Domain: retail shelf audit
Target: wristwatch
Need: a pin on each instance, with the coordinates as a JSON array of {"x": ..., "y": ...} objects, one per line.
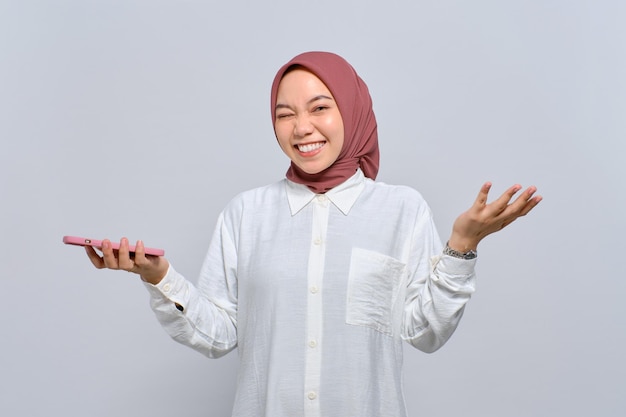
[{"x": 470, "y": 254}]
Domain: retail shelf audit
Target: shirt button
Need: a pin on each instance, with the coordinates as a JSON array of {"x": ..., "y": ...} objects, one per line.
[
  {"x": 312, "y": 343},
  {"x": 317, "y": 241},
  {"x": 321, "y": 198},
  {"x": 312, "y": 395},
  {"x": 167, "y": 288},
  {"x": 313, "y": 289}
]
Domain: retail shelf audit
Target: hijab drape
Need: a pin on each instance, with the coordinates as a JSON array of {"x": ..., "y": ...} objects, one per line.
[{"x": 360, "y": 147}]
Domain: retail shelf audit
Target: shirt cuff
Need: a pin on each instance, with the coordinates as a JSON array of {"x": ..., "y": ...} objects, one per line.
[
  {"x": 173, "y": 287},
  {"x": 455, "y": 266}
]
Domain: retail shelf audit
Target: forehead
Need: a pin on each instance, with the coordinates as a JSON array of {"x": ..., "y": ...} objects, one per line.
[{"x": 299, "y": 80}]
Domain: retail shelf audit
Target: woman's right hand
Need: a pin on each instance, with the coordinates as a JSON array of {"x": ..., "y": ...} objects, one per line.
[{"x": 150, "y": 268}]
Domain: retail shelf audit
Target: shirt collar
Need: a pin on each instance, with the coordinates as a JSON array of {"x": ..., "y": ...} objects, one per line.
[{"x": 342, "y": 196}]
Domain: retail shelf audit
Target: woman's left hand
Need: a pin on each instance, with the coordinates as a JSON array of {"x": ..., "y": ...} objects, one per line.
[{"x": 483, "y": 219}]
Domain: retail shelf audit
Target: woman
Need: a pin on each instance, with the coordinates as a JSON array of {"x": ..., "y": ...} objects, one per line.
[{"x": 318, "y": 278}]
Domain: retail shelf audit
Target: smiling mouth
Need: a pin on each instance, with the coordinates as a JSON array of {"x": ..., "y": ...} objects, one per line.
[{"x": 310, "y": 147}]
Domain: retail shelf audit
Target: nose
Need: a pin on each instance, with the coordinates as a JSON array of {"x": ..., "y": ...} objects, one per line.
[{"x": 302, "y": 126}]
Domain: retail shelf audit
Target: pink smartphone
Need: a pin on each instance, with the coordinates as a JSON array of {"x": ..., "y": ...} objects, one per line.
[{"x": 83, "y": 241}]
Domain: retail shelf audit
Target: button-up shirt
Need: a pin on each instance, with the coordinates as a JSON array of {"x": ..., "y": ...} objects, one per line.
[{"x": 317, "y": 292}]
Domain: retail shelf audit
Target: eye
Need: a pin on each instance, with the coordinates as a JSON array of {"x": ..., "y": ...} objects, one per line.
[
  {"x": 319, "y": 108},
  {"x": 282, "y": 116}
]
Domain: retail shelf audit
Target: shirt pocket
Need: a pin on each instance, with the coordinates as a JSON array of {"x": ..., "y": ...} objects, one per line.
[{"x": 373, "y": 290}]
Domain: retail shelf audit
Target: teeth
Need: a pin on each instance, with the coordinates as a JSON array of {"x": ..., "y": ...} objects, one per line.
[{"x": 310, "y": 147}]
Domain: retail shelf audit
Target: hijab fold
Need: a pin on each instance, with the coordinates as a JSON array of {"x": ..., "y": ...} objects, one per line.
[{"x": 360, "y": 147}]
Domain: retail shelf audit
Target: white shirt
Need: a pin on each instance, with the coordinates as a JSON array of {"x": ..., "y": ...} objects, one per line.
[{"x": 318, "y": 292}]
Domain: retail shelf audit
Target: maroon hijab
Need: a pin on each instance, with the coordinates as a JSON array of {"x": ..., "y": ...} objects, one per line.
[{"x": 360, "y": 147}]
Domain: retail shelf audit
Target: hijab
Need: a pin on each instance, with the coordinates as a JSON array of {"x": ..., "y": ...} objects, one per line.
[{"x": 360, "y": 147}]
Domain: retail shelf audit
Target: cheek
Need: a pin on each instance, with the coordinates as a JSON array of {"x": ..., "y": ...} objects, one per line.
[
  {"x": 336, "y": 129},
  {"x": 282, "y": 135},
  {"x": 334, "y": 126}
]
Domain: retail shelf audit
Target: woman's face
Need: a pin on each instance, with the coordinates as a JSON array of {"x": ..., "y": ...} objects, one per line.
[{"x": 308, "y": 124}]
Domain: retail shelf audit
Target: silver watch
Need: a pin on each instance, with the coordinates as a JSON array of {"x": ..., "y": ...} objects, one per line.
[{"x": 470, "y": 254}]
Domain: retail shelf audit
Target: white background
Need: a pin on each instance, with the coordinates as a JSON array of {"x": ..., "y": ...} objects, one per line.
[{"x": 143, "y": 118}]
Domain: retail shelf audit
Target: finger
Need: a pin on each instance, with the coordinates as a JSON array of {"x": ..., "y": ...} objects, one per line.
[
  {"x": 108, "y": 255},
  {"x": 95, "y": 259},
  {"x": 483, "y": 195},
  {"x": 125, "y": 261},
  {"x": 508, "y": 194},
  {"x": 530, "y": 204},
  {"x": 522, "y": 200},
  {"x": 140, "y": 254},
  {"x": 502, "y": 203}
]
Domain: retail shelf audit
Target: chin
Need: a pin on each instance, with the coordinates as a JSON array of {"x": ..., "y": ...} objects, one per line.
[{"x": 311, "y": 170}]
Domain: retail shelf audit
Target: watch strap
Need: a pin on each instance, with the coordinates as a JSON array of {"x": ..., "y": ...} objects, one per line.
[{"x": 470, "y": 254}]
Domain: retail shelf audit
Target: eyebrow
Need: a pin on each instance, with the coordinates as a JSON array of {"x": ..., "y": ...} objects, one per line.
[{"x": 314, "y": 99}]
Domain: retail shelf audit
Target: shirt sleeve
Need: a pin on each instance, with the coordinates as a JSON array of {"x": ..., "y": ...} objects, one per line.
[
  {"x": 439, "y": 287},
  {"x": 203, "y": 317}
]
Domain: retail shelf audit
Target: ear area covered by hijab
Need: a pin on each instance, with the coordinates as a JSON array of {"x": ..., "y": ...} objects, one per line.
[{"x": 360, "y": 148}]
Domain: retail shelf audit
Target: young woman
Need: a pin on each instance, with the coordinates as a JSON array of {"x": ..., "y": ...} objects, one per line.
[{"x": 318, "y": 278}]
